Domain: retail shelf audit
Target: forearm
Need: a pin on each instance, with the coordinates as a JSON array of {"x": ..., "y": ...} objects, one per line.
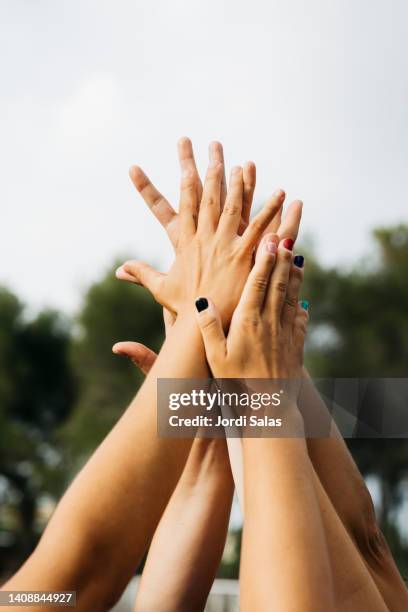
[
  {"x": 191, "y": 534},
  {"x": 285, "y": 561},
  {"x": 338, "y": 472},
  {"x": 113, "y": 506},
  {"x": 348, "y": 493}
]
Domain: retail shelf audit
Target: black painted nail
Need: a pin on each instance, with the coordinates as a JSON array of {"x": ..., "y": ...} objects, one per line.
[
  {"x": 299, "y": 261},
  {"x": 201, "y": 304}
]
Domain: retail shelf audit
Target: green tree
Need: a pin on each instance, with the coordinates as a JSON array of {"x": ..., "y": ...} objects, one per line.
[
  {"x": 36, "y": 394},
  {"x": 359, "y": 328},
  {"x": 112, "y": 310}
]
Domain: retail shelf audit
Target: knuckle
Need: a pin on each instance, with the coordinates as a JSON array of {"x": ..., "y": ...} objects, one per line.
[
  {"x": 297, "y": 274},
  {"x": 301, "y": 324},
  {"x": 157, "y": 201},
  {"x": 302, "y": 328},
  {"x": 291, "y": 301},
  {"x": 143, "y": 184},
  {"x": 257, "y": 225},
  {"x": 215, "y": 172},
  {"x": 189, "y": 179},
  {"x": 210, "y": 201},
  {"x": 231, "y": 209},
  {"x": 260, "y": 283},
  {"x": 250, "y": 320},
  {"x": 280, "y": 286},
  {"x": 208, "y": 323},
  {"x": 286, "y": 256}
]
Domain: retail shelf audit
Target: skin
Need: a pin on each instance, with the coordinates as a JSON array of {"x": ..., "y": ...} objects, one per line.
[
  {"x": 347, "y": 494},
  {"x": 113, "y": 507},
  {"x": 192, "y": 531},
  {"x": 284, "y": 561},
  {"x": 354, "y": 587},
  {"x": 333, "y": 464},
  {"x": 191, "y": 534}
]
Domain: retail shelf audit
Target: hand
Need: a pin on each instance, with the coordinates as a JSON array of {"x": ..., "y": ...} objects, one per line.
[
  {"x": 268, "y": 327},
  {"x": 141, "y": 356},
  {"x": 169, "y": 219},
  {"x": 163, "y": 210},
  {"x": 211, "y": 255}
]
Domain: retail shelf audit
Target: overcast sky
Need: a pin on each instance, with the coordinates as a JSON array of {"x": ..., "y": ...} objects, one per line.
[{"x": 315, "y": 92}]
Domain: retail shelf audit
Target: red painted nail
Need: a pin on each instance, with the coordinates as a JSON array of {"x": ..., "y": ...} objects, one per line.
[{"x": 288, "y": 243}]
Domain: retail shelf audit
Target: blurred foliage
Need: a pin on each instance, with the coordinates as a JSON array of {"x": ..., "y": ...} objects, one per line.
[
  {"x": 62, "y": 389},
  {"x": 359, "y": 322},
  {"x": 111, "y": 311},
  {"x": 37, "y": 391},
  {"x": 359, "y": 328}
]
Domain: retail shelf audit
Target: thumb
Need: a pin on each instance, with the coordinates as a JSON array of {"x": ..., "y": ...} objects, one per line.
[
  {"x": 141, "y": 356},
  {"x": 142, "y": 274},
  {"x": 209, "y": 322}
]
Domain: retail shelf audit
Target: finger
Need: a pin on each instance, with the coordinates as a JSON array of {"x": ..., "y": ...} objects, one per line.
[
  {"x": 231, "y": 215},
  {"x": 216, "y": 151},
  {"x": 300, "y": 324},
  {"x": 141, "y": 273},
  {"x": 256, "y": 286},
  {"x": 249, "y": 175},
  {"x": 275, "y": 223},
  {"x": 209, "y": 212},
  {"x": 189, "y": 189},
  {"x": 266, "y": 237},
  {"x": 218, "y": 155},
  {"x": 141, "y": 356},
  {"x": 160, "y": 207},
  {"x": 260, "y": 222},
  {"x": 125, "y": 276},
  {"x": 289, "y": 227},
  {"x": 278, "y": 286},
  {"x": 209, "y": 322},
  {"x": 292, "y": 294}
]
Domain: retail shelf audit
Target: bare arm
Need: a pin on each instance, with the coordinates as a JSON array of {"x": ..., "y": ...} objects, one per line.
[
  {"x": 351, "y": 499},
  {"x": 285, "y": 562},
  {"x": 191, "y": 534},
  {"x": 112, "y": 508},
  {"x": 101, "y": 528}
]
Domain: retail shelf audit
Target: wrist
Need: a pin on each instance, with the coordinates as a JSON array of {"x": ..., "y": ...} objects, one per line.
[{"x": 183, "y": 354}]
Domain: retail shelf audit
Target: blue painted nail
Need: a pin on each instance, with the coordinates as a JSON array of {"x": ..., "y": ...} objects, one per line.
[
  {"x": 201, "y": 304},
  {"x": 304, "y": 304},
  {"x": 299, "y": 261}
]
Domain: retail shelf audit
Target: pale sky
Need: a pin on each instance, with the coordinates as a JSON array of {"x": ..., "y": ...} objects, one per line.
[{"x": 315, "y": 92}]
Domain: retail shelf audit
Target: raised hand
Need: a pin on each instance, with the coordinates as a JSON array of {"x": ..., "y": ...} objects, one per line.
[
  {"x": 212, "y": 257},
  {"x": 191, "y": 196},
  {"x": 268, "y": 327}
]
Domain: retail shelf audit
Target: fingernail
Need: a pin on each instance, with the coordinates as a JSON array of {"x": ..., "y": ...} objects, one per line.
[
  {"x": 288, "y": 243},
  {"x": 201, "y": 304},
  {"x": 235, "y": 170},
  {"x": 271, "y": 246},
  {"x": 299, "y": 261},
  {"x": 119, "y": 271},
  {"x": 304, "y": 304},
  {"x": 279, "y": 193}
]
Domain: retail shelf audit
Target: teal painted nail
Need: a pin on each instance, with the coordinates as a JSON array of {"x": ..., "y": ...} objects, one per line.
[{"x": 304, "y": 304}]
